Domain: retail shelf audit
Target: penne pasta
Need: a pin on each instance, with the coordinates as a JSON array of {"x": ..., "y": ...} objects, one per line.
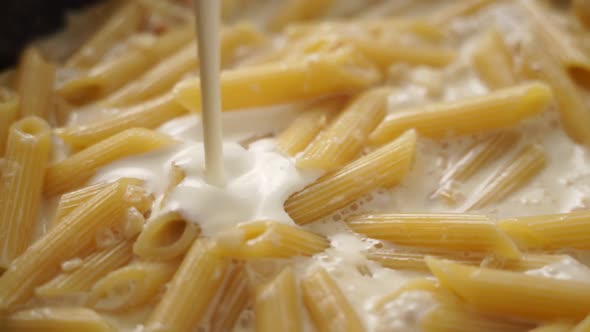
[
  {"x": 269, "y": 239},
  {"x": 125, "y": 21},
  {"x": 493, "y": 62},
  {"x": 328, "y": 307},
  {"x": 9, "y": 111},
  {"x": 77, "y": 231},
  {"x": 149, "y": 114},
  {"x": 21, "y": 185},
  {"x": 344, "y": 138},
  {"x": 554, "y": 327},
  {"x": 233, "y": 297},
  {"x": 573, "y": 111},
  {"x": 92, "y": 268},
  {"x": 450, "y": 232},
  {"x": 527, "y": 163},
  {"x": 164, "y": 75},
  {"x": 305, "y": 127},
  {"x": 74, "y": 171},
  {"x": 327, "y": 74},
  {"x": 166, "y": 9},
  {"x": 549, "y": 232},
  {"x": 130, "y": 286},
  {"x": 298, "y": 10},
  {"x": 105, "y": 78},
  {"x": 55, "y": 319},
  {"x": 191, "y": 290},
  {"x": 34, "y": 84},
  {"x": 499, "y": 109},
  {"x": 583, "y": 326},
  {"x": 70, "y": 201},
  {"x": 277, "y": 304},
  {"x": 165, "y": 237},
  {"x": 581, "y": 9},
  {"x": 458, "y": 8},
  {"x": 513, "y": 294},
  {"x": 383, "y": 167},
  {"x": 477, "y": 157},
  {"x": 417, "y": 284}
]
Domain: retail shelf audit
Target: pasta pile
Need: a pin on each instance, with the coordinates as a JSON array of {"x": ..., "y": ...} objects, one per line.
[{"x": 77, "y": 255}]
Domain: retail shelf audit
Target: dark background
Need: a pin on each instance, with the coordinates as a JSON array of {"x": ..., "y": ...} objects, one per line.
[{"x": 23, "y": 20}]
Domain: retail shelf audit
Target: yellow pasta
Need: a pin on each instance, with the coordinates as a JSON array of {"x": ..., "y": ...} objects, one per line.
[
  {"x": 55, "y": 319},
  {"x": 344, "y": 138},
  {"x": 492, "y": 61},
  {"x": 583, "y": 326},
  {"x": 498, "y": 109},
  {"x": 554, "y": 231},
  {"x": 327, "y": 74},
  {"x": 130, "y": 286},
  {"x": 112, "y": 74},
  {"x": 383, "y": 167},
  {"x": 514, "y": 294},
  {"x": 417, "y": 284},
  {"x": 163, "y": 76},
  {"x": 166, "y": 9},
  {"x": 166, "y": 236},
  {"x": 91, "y": 269},
  {"x": 458, "y": 8},
  {"x": 277, "y": 304},
  {"x": 21, "y": 185},
  {"x": 298, "y": 10},
  {"x": 451, "y": 232},
  {"x": 582, "y": 11},
  {"x": 233, "y": 297},
  {"x": 70, "y": 201},
  {"x": 149, "y": 114},
  {"x": 38, "y": 264},
  {"x": 35, "y": 84},
  {"x": 477, "y": 157},
  {"x": 328, "y": 307},
  {"x": 306, "y": 126},
  {"x": 191, "y": 290},
  {"x": 73, "y": 171},
  {"x": 527, "y": 163},
  {"x": 267, "y": 239},
  {"x": 9, "y": 111},
  {"x": 573, "y": 111},
  {"x": 554, "y": 327},
  {"x": 123, "y": 23}
]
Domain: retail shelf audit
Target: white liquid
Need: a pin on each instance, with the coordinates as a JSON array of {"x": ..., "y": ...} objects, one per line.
[{"x": 208, "y": 15}]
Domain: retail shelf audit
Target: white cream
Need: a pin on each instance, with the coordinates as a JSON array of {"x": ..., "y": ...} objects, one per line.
[{"x": 565, "y": 269}]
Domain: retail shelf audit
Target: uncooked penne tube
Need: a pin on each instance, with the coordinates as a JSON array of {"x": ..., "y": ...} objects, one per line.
[
  {"x": 233, "y": 297},
  {"x": 277, "y": 305},
  {"x": 21, "y": 178},
  {"x": 498, "y": 109},
  {"x": 459, "y": 318},
  {"x": 572, "y": 107},
  {"x": 189, "y": 294},
  {"x": 70, "y": 201},
  {"x": 527, "y": 163},
  {"x": 34, "y": 84},
  {"x": 122, "y": 24},
  {"x": 73, "y": 171},
  {"x": 9, "y": 112},
  {"x": 549, "y": 232},
  {"x": 306, "y": 126},
  {"x": 55, "y": 319},
  {"x": 477, "y": 157},
  {"x": 164, "y": 75},
  {"x": 328, "y": 307},
  {"x": 165, "y": 236},
  {"x": 513, "y": 294},
  {"x": 149, "y": 114},
  {"x": 341, "y": 72},
  {"x": 298, "y": 10},
  {"x": 269, "y": 239},
  {"x": 451, "y": 232},
  {"x": 38, "y": 264},
  {"x": 381, "y": 168},
  {"x": 91, "y": 269},
  {"x": 344, "y": 138},
  {"x": 130, "y": 286},
  {"x": 493, "y": 62},
  {"x": 105, "y": 78}
]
